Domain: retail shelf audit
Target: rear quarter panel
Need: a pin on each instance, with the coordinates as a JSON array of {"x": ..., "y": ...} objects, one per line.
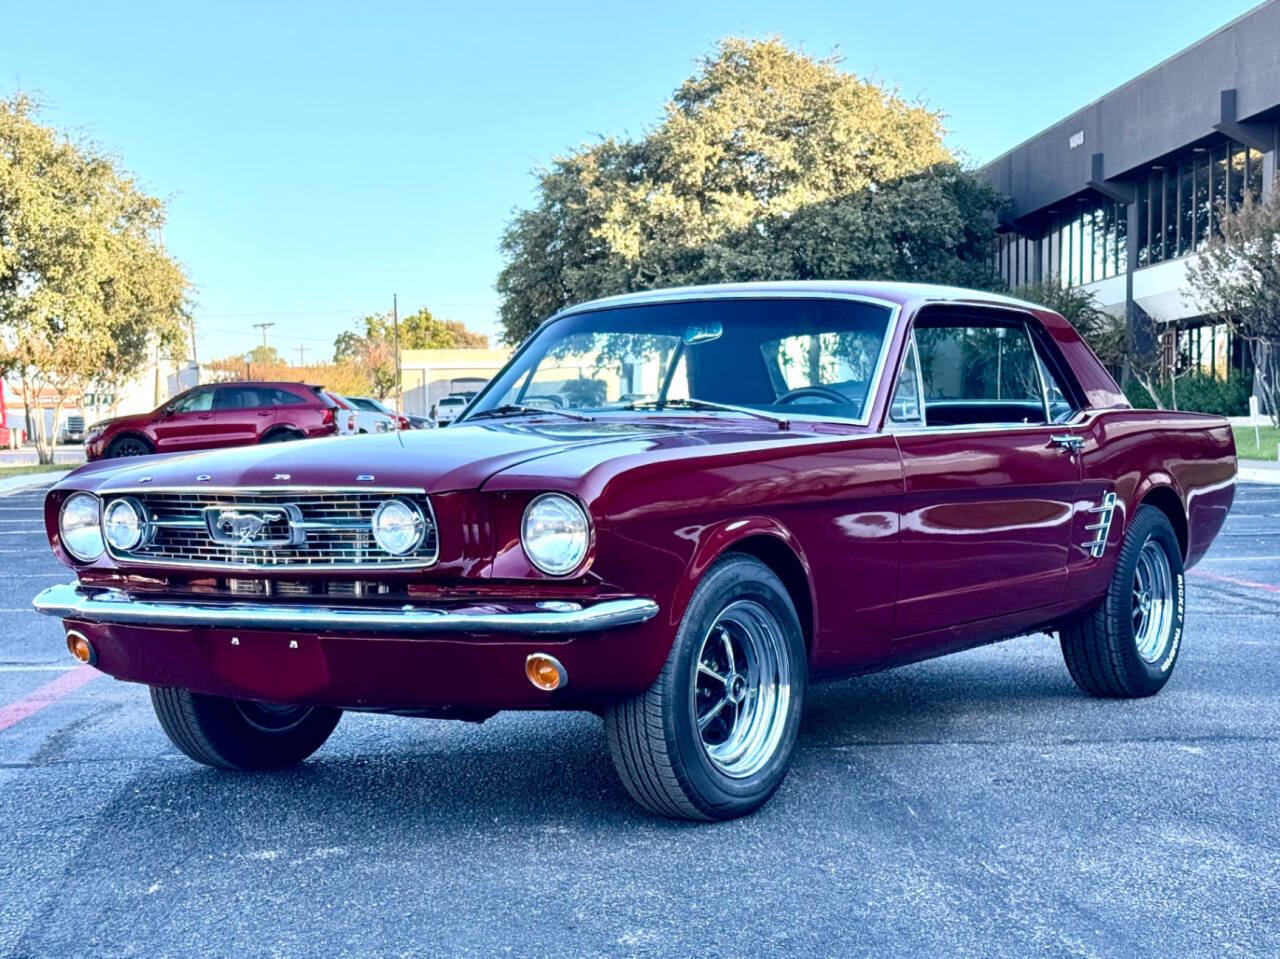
[{"x": 1149, "y": 453}]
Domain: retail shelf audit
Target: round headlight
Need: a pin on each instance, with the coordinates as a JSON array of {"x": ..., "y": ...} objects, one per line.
[
  {"x": 555, "y": 534},
  {"x": 124, "y": 524},
  {"x": 398, "y": 526},
  {"x": 80, "y": 525}
]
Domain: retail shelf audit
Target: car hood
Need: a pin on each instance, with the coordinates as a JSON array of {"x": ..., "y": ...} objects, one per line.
[
  {"x": 455, "y": 458},
  {"x": 132, "y": 419}
]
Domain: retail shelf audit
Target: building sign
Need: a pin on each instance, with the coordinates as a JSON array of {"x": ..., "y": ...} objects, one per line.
[{"x": 1076, "y": 139}]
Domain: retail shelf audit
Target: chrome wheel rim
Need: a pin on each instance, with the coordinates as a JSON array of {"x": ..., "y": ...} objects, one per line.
[
  {"x": 271, "y": 717},
  {"x": 742, "y": 689},
  {"x": 1153, "y": 601}
]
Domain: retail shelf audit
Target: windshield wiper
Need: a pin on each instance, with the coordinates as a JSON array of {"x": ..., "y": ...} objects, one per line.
[
  {"x": 689, "y": 404},
  {"x": 512, "y": 409}
]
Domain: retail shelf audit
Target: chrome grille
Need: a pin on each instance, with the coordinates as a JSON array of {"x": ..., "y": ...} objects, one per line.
[{"x": 337, "y": 529}]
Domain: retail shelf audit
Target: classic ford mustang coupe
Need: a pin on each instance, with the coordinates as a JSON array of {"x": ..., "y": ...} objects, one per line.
[{"x": 675, "y": 509}]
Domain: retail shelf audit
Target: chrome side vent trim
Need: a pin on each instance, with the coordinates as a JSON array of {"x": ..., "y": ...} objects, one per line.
[{"x": 1104, "y": 511}]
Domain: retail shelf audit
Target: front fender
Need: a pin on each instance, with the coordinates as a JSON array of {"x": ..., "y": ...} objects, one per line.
[{"x": 716, "y": 540}]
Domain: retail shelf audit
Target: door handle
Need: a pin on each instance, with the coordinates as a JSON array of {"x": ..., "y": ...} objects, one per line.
[{"x": 1068, "y": 441}]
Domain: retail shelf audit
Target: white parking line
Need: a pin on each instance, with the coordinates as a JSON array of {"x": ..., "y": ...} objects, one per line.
[{"x": 36, "y": 668}]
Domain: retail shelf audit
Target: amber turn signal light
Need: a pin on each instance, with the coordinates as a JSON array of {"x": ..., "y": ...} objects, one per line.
[
  {"x": 545, "y": 672},
  {"x": 81, "y": 648}
]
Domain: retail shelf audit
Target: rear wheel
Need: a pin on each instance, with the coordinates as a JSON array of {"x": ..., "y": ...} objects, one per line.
[
  {"x": 239, "y": 733},
  {"x": 281, "y": 436},
  {"x": 712, "y": 737},
  {"x": 128, "y": 446},
  {"x": 1128, "y": 646}
]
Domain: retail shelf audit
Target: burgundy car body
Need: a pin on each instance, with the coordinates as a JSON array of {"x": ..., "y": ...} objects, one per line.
[
  {"x": 218, "y": 415},
  {"x": 895, "y": 544}
]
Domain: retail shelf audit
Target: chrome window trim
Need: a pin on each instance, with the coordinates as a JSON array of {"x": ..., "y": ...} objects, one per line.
[
  {"x": 996, "y": 427},
  {"x": 912, "y": 352},
  {"x": 662, "y": 297}
]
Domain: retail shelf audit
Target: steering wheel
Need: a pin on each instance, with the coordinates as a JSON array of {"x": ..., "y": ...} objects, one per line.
[{"x": 827, "y": 393}]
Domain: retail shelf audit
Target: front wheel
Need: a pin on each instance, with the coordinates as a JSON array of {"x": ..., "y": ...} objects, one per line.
[
  {"x": 1128, "y": 646},
  {"x": 128, "y": 446},
  {"x": 712, "y": 737},
  {"x": 239, "y": 733}
]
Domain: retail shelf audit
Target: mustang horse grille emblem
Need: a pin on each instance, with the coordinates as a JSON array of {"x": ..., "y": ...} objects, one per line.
[{"x": 254, "y": 526}]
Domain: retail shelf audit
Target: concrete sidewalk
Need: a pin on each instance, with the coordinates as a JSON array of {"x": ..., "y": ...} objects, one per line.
[
  {"x": 14, "y": 484},
  {"x": 1259, "y": 471}
]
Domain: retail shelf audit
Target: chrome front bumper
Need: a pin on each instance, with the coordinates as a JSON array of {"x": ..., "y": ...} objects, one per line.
[{"x": 68, "y": 601}]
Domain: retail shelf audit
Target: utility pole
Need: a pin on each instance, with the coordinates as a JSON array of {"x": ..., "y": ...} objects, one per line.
[
  {"x": 195, "y": 360},
  {"x": 302, "y": 356},
  {"x": 395, "y": 345},
  {"x": 263, "y": 327}
]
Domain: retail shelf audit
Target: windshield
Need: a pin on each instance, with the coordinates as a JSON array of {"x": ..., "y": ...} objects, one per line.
[{"x": 791, "y": 357}]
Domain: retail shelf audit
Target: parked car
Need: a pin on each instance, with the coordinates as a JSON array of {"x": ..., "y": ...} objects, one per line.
[
  {"x": 348, "y": 416},
  {"x": 226, "y": 414},
  {"x": 448, "y": 408},
  {"x": 415, "y": 422},
  {"x": 834, "y": 478},
  {"x": 375, "y": 417},
  {"x": 71, "y": 430}
]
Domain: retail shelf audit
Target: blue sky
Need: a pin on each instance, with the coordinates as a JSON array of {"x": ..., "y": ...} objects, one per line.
[{"x": 320, "y": 157}]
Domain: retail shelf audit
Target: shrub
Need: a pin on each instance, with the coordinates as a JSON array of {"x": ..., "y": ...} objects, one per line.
[{"x": 1198, "y": 393}]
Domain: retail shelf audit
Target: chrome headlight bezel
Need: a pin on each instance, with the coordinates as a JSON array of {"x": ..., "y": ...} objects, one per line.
[
  {"x": 85, "y": 541},
  {"x": 570, "y": 560},
  {"x": 141, "y": 528},
  {"x": 416, "y": 520}
]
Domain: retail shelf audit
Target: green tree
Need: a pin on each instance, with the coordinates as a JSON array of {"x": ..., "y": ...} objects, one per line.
[
  {"x": 371, "y": 344},
  {"x": 265, "y": 355},
  {"x": 87, "y": 293},
  {"x": 1237, "y": 279},
  {"x": 1104, "y": 332},
  {"x": 767, "y": 163}
]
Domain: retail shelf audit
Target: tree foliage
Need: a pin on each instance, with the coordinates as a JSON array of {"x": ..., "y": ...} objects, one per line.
[
  {"x": 344, "y": 378},
  {"x": 1237, "y": 279},
  {"x": 87, "y": 292},
  {"x": 371, "y": 345},
  {"x": 767, "y": 164}
]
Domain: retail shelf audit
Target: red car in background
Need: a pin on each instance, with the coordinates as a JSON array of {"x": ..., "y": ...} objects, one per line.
[{"x": 223, "y": 414}]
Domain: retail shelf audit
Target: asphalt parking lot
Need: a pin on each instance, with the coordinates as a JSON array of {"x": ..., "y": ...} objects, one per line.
[{"x": 975, "y": 805}]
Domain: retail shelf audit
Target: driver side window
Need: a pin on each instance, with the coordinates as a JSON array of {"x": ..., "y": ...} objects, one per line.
[{"x": 977, "y": 372}]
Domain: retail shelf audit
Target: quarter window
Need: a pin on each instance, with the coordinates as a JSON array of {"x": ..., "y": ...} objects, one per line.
[
  {"x": 905, "y": 407},
  {"x": 286, "y": 398}
]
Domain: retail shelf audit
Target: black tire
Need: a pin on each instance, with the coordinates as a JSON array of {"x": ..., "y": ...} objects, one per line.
[
  {"x": 281, "y": 436},
  {"x": 660, "y": 753},
  {"x": 1102, "y": 647},
  {"x": 238, "y": 734},
  {"x": 128, "y": 445}
]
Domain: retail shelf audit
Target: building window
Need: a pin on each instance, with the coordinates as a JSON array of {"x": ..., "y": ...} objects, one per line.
[{"x": 1179, "y": 203}]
